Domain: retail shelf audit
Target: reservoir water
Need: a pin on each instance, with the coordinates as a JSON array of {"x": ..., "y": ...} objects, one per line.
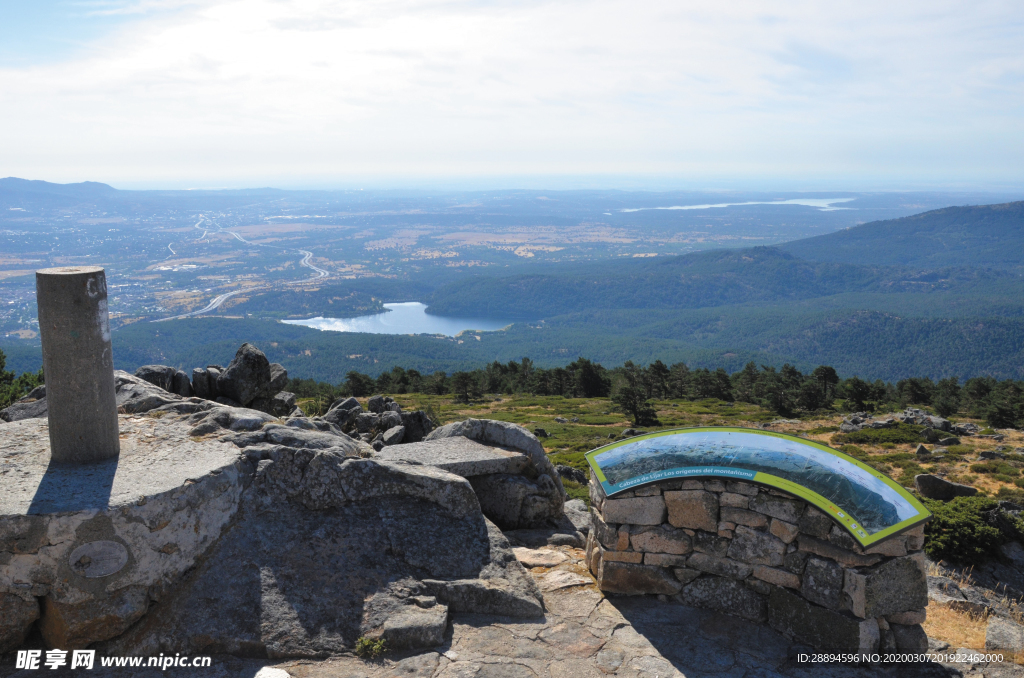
[{"x": 408, "y": 317}]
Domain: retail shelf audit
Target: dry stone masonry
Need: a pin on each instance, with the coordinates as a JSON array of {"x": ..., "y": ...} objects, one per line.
[{"x": 762, "y": 555}]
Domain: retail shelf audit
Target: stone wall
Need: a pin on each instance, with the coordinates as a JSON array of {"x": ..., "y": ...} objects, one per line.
[{"x": 763, "y": 555}]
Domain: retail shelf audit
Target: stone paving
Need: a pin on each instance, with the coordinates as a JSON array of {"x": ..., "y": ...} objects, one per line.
[{"x": 583, "y": 635}]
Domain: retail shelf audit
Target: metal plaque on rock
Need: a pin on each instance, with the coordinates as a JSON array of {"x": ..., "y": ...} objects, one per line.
[{"x": 98, "y": 559}]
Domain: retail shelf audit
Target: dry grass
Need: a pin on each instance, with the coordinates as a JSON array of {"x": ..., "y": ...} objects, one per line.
[{"x": 959, "y": 629}]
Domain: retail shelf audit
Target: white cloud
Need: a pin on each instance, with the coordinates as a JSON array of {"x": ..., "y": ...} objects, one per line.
[{"x": 278, "y": 91}]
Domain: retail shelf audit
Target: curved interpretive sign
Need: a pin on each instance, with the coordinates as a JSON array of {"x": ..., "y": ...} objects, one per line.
[{"x": 869, "y": 504}]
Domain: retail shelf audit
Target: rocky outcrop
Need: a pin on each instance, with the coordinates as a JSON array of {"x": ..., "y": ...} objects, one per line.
[
  {"x": 250, "y": 380},
  {"x": 327, "y": 549},
  {"x": 530, "y": 498},
  {"x": 305, "y": 543}
]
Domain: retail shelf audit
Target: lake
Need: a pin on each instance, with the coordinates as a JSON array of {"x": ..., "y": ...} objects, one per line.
[{"x": 409, "y": 317}]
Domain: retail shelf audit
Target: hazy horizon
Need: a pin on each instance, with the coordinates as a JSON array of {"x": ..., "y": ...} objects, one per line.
[{"x": 548, "y": 95}]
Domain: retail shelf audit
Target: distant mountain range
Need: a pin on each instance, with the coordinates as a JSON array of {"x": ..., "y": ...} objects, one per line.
[{"x": 981, "y": 235}]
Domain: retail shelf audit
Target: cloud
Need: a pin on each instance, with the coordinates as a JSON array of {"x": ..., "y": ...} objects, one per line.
[{"x": 267, "y": 90}]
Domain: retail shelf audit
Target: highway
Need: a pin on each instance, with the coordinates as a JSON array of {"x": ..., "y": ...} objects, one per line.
[{"x": 217, "y": 301}]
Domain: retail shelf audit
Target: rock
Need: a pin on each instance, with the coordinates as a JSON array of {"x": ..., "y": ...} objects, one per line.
[
  {"x": 660, "y": 539},
  {"x": 389, "y": 419},
  {"x": 25, "y": 409},
  {"x": 17, "y": 614},
  {"x": 910, "y": 638},
  {"x": 991, "y": 454},
  {"x": 921, "y": 449},
  {"x": 819, "y": 627},
  {"x": 160, "y": 376},
  {"x": 908, "y": 618},
  {"x": 461, "y": 456},
  {"x": 1003, "y": 635},
  {"x": 561, "y": 420},
  {"x": 823, "y": 583},
  {"x": 247, "y": 377},
  {"x": 539, "y": 557},
  {"x": 283, "y": 404},
  {"x": 759, "y": 548},
  {"x": 342, "y": 417},
  {"x": 946, "y": 442},
  {"x": 634, "y": 579},
  {"x": 327, "y": 549},
  {"x": 516, "y": 502},
  {"x": 377, "y": 444},
  {"x": 777, "y": 507},
  {"x": 833, "y": 552},
  {"x": 578, "y": 514},
  {"x": 345, "y": 404},
  {"x": 74, "y": 626},
  {"x": 202, "y": 385},
  {"x": 415, "y": 627},
  {"x": 815, "y": 523},
  {"x": 694, "y": 509},
  {"x": 393, "y": 407},
  {"x": 500, "y": 434},
  {"x": 181, "y": 385},
  {"x": 778, "y": 577},
  {"x": 570, "y": 473},
  {"x": 366, "y": 422},
  {"x": 394, "y": 435},
  {"x": 376, "y": 404},
  {"x": 632, "y": 432},
  {"x": 417, "y": 426},
  {"x": 723, "y": 567},
  {"x": 541, "y": 433},
  {"x": 278, "y": 379},
  {"x": 636, "y": 511},
  {"x": 725, "y": 595},
  {"x": 894, "y": 586},
  {"x": 228, "y": 402},
  {"x": 933, "y": 487}
]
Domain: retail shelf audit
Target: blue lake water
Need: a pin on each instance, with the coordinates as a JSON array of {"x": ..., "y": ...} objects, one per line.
[
  {"x": 823, "y": 204},
  {"x": 408, "y": 317}
]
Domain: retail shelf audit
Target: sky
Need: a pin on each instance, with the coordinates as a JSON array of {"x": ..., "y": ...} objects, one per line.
[{"x": 566, "y": 93}]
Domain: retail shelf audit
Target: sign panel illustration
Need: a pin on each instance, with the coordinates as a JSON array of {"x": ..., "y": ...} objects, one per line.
[{"x": 869, "y": 504}]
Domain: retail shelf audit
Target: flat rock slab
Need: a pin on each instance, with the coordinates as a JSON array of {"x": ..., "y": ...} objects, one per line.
[
  {"x": 539, "y": 557},
  {"x": 156, "y": 456},
  {"x": 461, "y": 456}
]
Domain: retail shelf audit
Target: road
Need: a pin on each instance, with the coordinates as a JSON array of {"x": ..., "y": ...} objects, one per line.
[
  {"x": 217, "y": 301},
  {"x": 321, "y": 273}
]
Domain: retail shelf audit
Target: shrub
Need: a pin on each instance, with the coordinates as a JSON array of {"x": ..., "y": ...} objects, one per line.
[
  {"x": 995, "y": 468},
  {"x": 821, "y": 429},
  {"x": 901, "y": 433},
  {"x": 959, "y": 533},
  {"x": 370, "y": 648}
]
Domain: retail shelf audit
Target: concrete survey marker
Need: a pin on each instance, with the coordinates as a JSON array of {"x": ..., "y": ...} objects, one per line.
[{"x": 99, "y": 559}]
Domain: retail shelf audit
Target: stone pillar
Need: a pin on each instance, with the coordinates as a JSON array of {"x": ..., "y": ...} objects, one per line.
[{"x": 78, "y": 363}]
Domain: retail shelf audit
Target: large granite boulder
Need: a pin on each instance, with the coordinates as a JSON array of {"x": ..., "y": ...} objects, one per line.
[
  {"x": 934, "y": 487},
  {"x": 161, "y": 376},
  {"x": 31, "y": 406},
  {"x": 247, "y": 377},
  {"x": 327, "y": 549}
]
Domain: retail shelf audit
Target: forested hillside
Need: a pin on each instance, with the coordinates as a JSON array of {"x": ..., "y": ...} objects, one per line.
[{"x": 979, "y": 235}]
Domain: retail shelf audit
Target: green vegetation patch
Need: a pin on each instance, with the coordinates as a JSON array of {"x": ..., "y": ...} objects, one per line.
[
  {"x": 900, "y": 433},
  {"x": 959, "y": 533},
  {"x": 371, "y": 648}
]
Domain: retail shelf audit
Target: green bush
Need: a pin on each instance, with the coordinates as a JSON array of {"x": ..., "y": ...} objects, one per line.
[
  {"x": 900, "y": 433},
  {"x": 996, "y": 468},
  {"x": 821, "y": 429},
  {"x": 958, "y": 532},
  {"x": 370, "y": 648}
]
